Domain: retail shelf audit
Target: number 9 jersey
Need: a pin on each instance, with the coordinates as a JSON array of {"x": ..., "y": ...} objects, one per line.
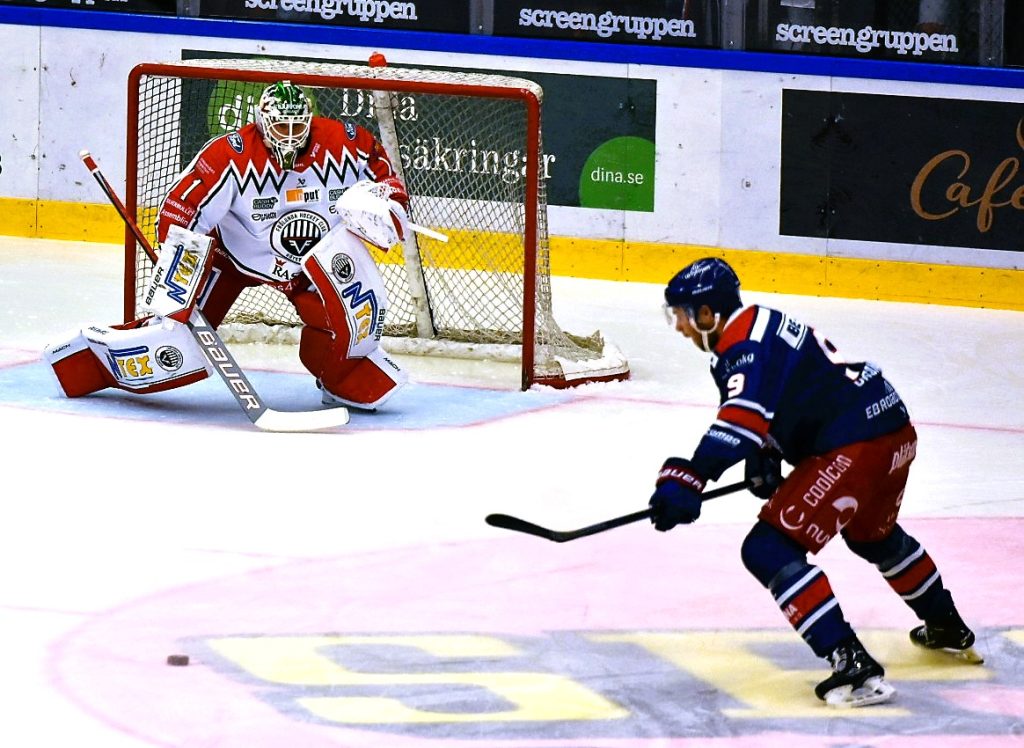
[{"x": 784, "y": 386}]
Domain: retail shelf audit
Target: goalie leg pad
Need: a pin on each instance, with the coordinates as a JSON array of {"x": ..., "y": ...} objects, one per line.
[
  {"x": 149, "y": 356},
  {"x": 365, "y": 383},
  {"x": 344, "y": 319},
  {"x": 351, "y": 292},
  {"x": 76, "y": 368}
]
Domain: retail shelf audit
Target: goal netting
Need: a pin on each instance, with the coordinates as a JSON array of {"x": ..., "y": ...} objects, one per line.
[{"x": 468, "y": 147}]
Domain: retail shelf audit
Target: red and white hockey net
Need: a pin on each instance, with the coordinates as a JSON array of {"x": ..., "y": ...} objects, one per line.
[{"x": 469, "y": 149}]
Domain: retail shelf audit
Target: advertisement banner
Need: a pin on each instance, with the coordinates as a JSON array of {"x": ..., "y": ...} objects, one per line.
[
  {"x": 902, "y": 169},
  {"x": 412, "y": 15},
  {"x": 653, "y": 22},
  {"x": 909, "y": 32},
  {"x": 598, "y": 135},
  {"x": 153, "y": 7}
]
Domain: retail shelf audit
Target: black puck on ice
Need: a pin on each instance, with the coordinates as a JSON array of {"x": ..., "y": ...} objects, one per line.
[{"x": 177, "y": 660}]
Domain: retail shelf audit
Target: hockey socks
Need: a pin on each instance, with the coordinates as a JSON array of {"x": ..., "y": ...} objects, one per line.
[
  {"x": 910, "y": 571},
  {"x": 804, "y": 595}
]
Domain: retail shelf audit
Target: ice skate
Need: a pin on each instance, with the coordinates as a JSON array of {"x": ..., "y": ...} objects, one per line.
[
  {"x": 856, "y": 680},
  {"x": 333, "y": 401},
  {"x": 950, "y": 635}
]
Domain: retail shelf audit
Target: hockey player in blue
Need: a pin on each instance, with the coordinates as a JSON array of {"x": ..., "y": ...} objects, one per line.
[{"x": 786, "y": 395}]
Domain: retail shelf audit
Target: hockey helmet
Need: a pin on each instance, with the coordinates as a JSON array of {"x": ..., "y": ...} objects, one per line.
[
  {"x": 283, "y": 117},
  {"x": 709, "y": 281}
]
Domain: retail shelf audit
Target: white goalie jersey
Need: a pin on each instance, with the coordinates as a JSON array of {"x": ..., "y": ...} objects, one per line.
[{"x": 267, "y": 220}]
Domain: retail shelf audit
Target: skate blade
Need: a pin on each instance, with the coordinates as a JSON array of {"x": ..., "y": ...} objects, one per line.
[
  {"x": 874, "y": 691},
  {"x": 969, "y": 655}
]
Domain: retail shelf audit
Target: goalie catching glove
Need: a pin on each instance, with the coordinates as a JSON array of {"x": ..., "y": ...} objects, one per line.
[
  {"x": 398, "y": 193},
  {"x": 676, "y": 499},
  {"x": 375, "y": 211}
]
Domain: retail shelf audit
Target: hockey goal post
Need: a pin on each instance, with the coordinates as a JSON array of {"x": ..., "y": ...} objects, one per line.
[{"x": 467, "y": 145}]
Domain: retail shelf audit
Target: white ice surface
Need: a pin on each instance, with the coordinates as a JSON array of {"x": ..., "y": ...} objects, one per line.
[{"x": 99, "y": 511}]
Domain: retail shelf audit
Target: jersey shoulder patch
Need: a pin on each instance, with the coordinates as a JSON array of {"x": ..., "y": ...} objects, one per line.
[{"x": 748, "y": 324}]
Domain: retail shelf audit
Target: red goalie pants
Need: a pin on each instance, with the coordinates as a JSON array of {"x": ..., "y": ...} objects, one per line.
[{"x": 855, "y": 490}]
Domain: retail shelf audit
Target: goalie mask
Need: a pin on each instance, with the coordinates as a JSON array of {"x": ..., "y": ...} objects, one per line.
[{"x": 283, "y": 118}]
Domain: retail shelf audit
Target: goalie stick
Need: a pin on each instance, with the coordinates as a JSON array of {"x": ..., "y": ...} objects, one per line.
[
  {"x": 508, "y": 522},
  {"x": 261, "y": 415}
]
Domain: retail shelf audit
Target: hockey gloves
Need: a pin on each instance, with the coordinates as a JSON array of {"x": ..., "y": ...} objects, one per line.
[
  {"x": 676, "y": 499},
  {"x": 764, "y": 472},
  {"x": 398, "y": 194}
]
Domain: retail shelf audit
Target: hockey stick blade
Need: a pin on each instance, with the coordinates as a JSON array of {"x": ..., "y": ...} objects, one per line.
[
  {"x": 218, "y": 355},
  {"x": 508, "y": 522},
  {"x": 304, "y": 420}
]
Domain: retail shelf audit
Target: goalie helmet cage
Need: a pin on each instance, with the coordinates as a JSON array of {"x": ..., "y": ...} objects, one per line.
[{"x": 467, "y": 146}]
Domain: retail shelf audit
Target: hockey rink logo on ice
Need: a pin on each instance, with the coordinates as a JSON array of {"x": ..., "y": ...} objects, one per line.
[{"x": 590, "y": 684}]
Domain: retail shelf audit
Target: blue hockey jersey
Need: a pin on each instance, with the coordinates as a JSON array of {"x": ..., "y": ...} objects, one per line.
[{"x": 784, "y": 386}]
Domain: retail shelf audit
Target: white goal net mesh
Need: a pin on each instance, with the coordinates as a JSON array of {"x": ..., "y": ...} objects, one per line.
[{"x": 461, "y": 142}]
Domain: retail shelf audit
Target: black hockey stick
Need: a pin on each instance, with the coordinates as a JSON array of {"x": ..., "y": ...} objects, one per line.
[
  {"x": 508, "y": 522},
  {"x": 220, "y": 357}
]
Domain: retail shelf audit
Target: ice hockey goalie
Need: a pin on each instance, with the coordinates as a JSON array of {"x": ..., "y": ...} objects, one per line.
[{"x": 264, "y": 206}]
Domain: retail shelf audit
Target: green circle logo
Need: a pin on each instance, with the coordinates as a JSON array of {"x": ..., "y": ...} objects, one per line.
[{"x": 619, "y": 174}]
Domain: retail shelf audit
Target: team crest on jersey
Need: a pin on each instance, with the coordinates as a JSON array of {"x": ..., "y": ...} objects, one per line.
[
  {"x": 343, "y": 268},
  {"x": 235, "y": 141},
  {"x": 296, "y": 233},
  {"x": 350, "y": 130},
  {"x": 169, "y": 358}
]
